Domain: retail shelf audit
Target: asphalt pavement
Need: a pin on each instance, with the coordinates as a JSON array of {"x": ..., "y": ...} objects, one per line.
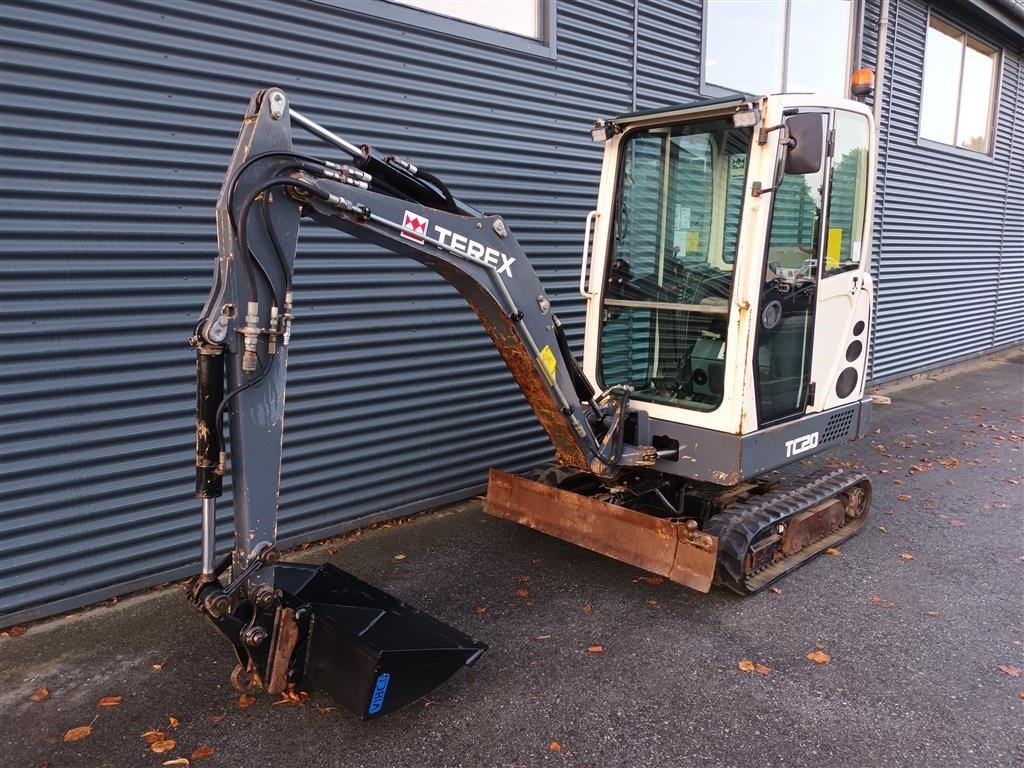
[{"x": 921, "y": 617}]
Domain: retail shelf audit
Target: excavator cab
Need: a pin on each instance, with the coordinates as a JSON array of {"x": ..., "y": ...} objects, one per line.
[
  {"x": 729, "y": 264},
  {"x": 728, "y": 302}
]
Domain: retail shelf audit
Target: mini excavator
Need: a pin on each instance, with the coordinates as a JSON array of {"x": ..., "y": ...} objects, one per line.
[{"x": 726, "y": 276}]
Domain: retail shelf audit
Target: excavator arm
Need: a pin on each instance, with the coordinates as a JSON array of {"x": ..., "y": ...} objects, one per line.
[{"x": 278, "y": 615}]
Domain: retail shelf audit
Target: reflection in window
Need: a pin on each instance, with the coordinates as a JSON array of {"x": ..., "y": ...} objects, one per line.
[
  {"x": 666, "y": 307},
  {"x": 847, "y": 194},
  {"x": 786, "y": 307},
  {"x": 520, "y": 17},
  {"x": 959, "y": 85},
  {"x": 776, "y": 46}
]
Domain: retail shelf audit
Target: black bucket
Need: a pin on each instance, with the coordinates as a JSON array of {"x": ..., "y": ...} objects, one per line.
[{"x": 373, "y": 653}]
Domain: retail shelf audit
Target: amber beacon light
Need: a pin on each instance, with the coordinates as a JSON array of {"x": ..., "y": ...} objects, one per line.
[{"x": 863, "y": 82}]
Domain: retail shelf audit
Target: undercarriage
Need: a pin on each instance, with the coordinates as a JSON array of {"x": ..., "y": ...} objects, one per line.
[{"x": 742, "y": 537}]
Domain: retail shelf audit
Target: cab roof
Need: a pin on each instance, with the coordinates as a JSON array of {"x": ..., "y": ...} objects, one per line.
[{"x": 733, "y": 99}]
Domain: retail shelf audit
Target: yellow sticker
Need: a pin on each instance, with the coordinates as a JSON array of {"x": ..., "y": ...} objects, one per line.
[
  {"x": 692, "y": 241},
  {"x": 548, "y": 361},
  {"x": 835, "y": 247}
]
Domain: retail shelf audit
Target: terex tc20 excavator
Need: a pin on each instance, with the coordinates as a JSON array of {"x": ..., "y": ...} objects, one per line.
[{"x": 725, "y": 271}]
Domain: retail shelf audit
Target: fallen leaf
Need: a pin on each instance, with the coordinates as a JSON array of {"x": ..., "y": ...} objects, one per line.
[
  {"x": 110, "y": 701},
  {"x": 554, "y": 746},
  {"x": 325, "y": 710},
  {"x": 746, "y": 665},
  {"x": 951, "y": 463},
  {"x": 819, "y": 657},
  {"x": 588, "y": 608},
  {"x": 904, "y": 497},
  {"x": 522, "y": 593},
  {"x": 906, "y": 556},
  {"x": 878, "y": 600},
  {"x": 1011, "y": 671},
  {"x": 806, "y": 462},
  {"x": 651, "y": 601},
  {"x": 523, "y": 579},
  {"x": 175, "y": 722},
  {"x": 399, "y": 556},
  {"x": 16, "y": 631},
  {"x": 159, "y": 666},
  {"x": 245, "y": 701},
  {"x": 216, "y": 718},
  {"x": 832, "y": 551},
  {"x": 542, "y": 637},
  {"x": 957, "y": 522},
  {"x": 152, "y": 737},
  {"x": 78, "y": 733},
  {"x": 652, "y": 580},
  {"x": 159, "y": 747},
  {"x": 776, "y": 590},
  {"x": 595, "y": 649},
  {"x": 480, "y": 609},
  {"x": 291, "y": 696},
  {"x": 764, "y": 669},
  {"x": 176, "y": 761},
  {"x": 882, "y": 529},
  {"x": 40, "y": 694},
  {"x": 933, "y": 614},
  {"x": 203, "y": 752}
]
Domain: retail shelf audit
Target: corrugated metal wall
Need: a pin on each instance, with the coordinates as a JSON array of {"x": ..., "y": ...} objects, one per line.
[
  {"x": 118, "y": 120},
  {"x": 949, "y": 226}
]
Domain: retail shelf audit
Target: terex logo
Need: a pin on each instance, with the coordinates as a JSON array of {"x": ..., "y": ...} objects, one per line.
[
  {"x": 800, "y": 445},
  {"x": 412, "y": 225},
  {"x": 473, "y": 249},
  {"x": 381, "y": 688}
]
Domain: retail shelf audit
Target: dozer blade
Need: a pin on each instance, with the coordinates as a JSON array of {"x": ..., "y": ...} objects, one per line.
[
  {"x": 370, "y": 651},
  {"x": 652, "y": 543}
]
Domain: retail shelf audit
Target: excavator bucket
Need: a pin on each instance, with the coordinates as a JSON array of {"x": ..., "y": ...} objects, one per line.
[
  {"x": 661, "y": 546},
  {"x": 370, "y": 651}
]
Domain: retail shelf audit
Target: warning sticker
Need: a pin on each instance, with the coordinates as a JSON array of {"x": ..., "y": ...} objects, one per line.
[
  {"x": 548, "y": 362},
  {"x": 835, "y": 247}
]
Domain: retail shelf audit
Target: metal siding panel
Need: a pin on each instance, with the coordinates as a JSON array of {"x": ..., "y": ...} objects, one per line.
[
  {"x": 118, "y": 119},
  {"x": 947, "y": 244},
  {"x": 668, "y": 52}
]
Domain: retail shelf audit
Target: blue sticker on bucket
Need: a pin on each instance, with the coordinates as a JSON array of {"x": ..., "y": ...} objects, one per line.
[{"x": 379, "y": 690}]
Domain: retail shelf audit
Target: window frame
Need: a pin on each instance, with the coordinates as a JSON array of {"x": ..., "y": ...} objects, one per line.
[
  {"x": 853, "y": 40},
  {"x": 995, "y": 92},
  {"x": 602, "y": 296},
  {"x": 544, "y": 47}
]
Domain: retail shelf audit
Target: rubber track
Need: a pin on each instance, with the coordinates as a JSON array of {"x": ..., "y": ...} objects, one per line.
[{"x": 738, "y": 526}]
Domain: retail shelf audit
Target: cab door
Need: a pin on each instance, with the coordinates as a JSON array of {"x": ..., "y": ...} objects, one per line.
[
  {"x": 844, "y": 283},
  {"x": 785, "y": 332}
]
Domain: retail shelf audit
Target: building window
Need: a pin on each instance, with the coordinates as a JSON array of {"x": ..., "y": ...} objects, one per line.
[
  {"x": 958, "y": 90},
  {"x": 520, "y": 17},
  {"x": 778, "y": 46}
]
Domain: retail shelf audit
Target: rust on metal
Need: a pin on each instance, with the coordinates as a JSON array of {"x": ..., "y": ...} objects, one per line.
[
  {"x": 534, "y": 387},
  {"x": 817, "y": 522},
  {"x": 664, "y": 547},
  {"x": 286, "y": 636}
]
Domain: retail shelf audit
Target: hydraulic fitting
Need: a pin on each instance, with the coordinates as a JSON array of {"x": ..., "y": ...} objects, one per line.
[
  {"x": 272, "y": 331},
  {"x": 252, "y": 333}
]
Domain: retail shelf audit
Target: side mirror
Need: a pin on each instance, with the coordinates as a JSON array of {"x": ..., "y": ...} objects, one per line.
[{"x": 805, "y": 132}]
